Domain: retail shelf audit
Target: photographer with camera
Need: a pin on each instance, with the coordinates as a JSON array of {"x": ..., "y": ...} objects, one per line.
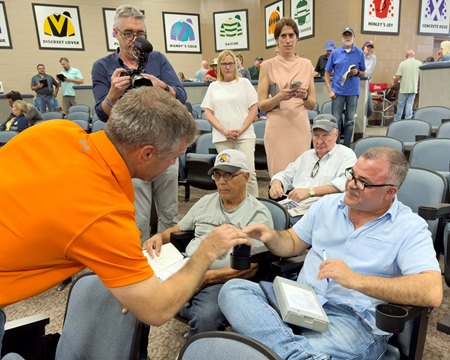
[
  {"x": 112, "y": 76},
  {"x": 231, "y": 204}
]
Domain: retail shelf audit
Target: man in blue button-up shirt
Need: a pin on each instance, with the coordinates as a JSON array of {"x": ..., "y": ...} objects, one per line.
[
  {"x": 378, "y": 251},
  {"x": 108, "y": 88}
]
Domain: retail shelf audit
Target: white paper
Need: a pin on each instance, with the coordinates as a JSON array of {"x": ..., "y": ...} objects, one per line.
[
  {"x": 298, "y": 208},
  {"x": 169, "y": 261}
]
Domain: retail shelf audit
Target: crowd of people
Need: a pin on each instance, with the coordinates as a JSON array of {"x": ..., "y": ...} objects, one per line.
[{"x": 133, "y": 163}]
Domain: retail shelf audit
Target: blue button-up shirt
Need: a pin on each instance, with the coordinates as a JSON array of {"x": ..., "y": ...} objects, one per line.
[
  {"x": 340, "y": 61},
  {"x": 156, "y": 65},
  {"x": 395, "y": 244}
]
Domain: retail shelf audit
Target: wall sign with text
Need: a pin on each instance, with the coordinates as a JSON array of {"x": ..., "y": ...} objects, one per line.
[
  {"x": 381, "y": 17},
  {"x": 272, "y": 14},
  {"x": 5, "y": 39},
  {"x": 231, "y": 30},
  {"x": 434, "y": 18},
  {"x": 302, "y": 11},
  {"x": 58, "y": 27},
  {"x": 182, "y": 33}
]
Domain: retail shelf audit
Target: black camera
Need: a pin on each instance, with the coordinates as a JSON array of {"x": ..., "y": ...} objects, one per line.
[
  {"x": 240, "y": 258},
  {"x": 137, "y": 80},
  {"x": 142, "y": 47}
]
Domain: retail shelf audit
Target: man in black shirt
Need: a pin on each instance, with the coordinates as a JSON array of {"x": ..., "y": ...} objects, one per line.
[{"x": 319, "y": 71}]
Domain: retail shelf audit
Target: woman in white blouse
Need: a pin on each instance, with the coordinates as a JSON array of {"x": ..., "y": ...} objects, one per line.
[{"x": 231, "y": 106}]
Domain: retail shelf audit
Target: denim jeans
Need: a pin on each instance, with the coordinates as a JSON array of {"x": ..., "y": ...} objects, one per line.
[
  {"x": 246, "y": 308},
  {"x": 337, "y": 108},
  {"x": 203, "y": 311},
  {"x": 405, "y": 102},
  {"x": 45, "y": 101}
]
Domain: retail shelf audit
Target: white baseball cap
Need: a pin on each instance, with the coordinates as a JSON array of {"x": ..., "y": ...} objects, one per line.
[{"x": 230, "y": 161}]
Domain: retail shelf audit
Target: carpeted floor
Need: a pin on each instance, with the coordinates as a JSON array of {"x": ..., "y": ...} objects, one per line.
[{"x": 166, "y": 340}]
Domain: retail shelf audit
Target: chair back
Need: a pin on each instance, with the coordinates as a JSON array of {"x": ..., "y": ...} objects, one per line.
[
  {"x": 376, "y": 141},
  {"x": 204, "y": 144},
  {"x": 97, "y": 126},
  {"x": 431, "y": 154},
  {"x": 80, "y": 108},
  {"x": 326, "y": 108},
  {"x": 312, "y": 115},
  {"x": 406, "y": 130},
  {"x": 224, "y": 345},
  {"x": 423, "y": 187},
  {"x": 443, "y": 132},
  {"x": 52, "y": 115},
  {"x": 95, "y": 327},
  {"x": 433, "y": 115},
  {"x": 5, "y": 136},
  {"x": 82, "y": 124},
  {"x": 203, "y": 126},
  {"x": 260, "y": 128},
  {"x": 95, "y": 117},
  {"x": 197, "y": 111},
  {"x": 280, "y": 216},
  {"x": 78, "y": 115}
]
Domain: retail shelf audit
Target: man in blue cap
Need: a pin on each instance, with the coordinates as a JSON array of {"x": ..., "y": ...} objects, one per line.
[{"x": 319, "y": 71}]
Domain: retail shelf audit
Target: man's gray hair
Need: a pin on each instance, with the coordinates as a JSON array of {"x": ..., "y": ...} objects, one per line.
[
  {"x": 127, "y": 11},
  {"x": 397, "y": 161},
  {"x": 149, "y": 116}
]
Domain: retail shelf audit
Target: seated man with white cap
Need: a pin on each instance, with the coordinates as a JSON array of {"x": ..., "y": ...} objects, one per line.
[
  {"x": 231, "y": 204},
  {"x": 318, "y": 171}
]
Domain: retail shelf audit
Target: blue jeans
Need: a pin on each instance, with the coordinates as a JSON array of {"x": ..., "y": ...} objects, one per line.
[
  {"x": 203, "y": 311},
  {"x": 405, "y": 102},
  {"x": 45, "y": 101},
  {"x": 348, "y": 337},
  {"x": 337, "y": 108}
]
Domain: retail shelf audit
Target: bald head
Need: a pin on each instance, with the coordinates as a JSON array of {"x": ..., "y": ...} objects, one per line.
[
  {"x": 204, "y": 64},
  {"x": 410, "y": 54}
]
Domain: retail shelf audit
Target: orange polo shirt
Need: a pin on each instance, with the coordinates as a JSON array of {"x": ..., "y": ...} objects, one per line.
[{"x": 66, "y": 202}]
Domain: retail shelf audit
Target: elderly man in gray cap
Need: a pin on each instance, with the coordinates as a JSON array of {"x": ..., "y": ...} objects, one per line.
[
  {"x": 318, "y": 171},
  {"x": 231, "y": 204}
]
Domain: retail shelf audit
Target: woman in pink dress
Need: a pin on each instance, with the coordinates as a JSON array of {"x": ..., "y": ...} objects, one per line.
[{"x": 286, "y": 91}]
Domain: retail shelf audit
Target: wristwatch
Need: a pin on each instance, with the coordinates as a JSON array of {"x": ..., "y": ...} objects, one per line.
[
  {"x": 312, "y": 193},
  {"x": 167, "y": 88}
]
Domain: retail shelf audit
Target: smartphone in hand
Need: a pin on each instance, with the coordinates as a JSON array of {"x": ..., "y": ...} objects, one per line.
[{"x": 296, "y": 84}]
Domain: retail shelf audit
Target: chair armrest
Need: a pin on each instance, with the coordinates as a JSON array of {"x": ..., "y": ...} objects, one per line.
[
  {"x": 287, "y": 266},
  {"x": 434, "y": 211},
  {"x": 38, "y": 321},
  {"x": 181, "y": 239},
  {"x": 393, "y": 317}
]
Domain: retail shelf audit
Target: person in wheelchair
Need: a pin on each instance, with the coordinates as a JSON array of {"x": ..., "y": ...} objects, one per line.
[
  {"x": 378, "y": 251},
  {"x": 231, "y": 204},
  {"x": 318, "y": 171}
]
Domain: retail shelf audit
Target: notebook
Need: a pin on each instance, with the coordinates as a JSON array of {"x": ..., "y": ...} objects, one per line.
[{"x": 296, "y": 303}]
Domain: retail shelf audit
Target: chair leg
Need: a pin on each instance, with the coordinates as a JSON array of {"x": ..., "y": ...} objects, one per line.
[
  {"x": 64, "y": 284},
  {"x": 444, "y": 325}
]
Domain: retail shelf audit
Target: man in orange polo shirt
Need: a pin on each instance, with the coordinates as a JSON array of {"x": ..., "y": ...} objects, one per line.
[{"x": 67, "y": 203}]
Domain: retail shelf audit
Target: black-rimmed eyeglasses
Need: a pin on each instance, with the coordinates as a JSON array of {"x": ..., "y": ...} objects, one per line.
[
  {"x": 216, "y": 175},
  {"x": 361, "y": 185},
  {"x": 129, "y": 35}
]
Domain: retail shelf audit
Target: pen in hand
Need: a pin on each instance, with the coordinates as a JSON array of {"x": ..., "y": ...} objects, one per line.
[{"x": 324, "y": 256}]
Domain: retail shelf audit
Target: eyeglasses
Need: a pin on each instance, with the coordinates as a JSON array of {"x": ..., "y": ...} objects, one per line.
[
  {"x": 229, "y": 64},
  {"x": 129, "y": 35},
  {"x": 315, "y": 169},
  {"x": 361, "y": 185},
  {"x": 216, "y": 175}
]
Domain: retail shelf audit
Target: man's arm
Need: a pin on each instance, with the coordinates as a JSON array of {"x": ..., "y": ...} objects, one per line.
[
  {"x": 156, "y": 302},
  {"x": 153, "y": 245},
  {"x": 283, "y": 243},
  {"x": 423, "y": 289},
  {"x": 327, "y": 79}
]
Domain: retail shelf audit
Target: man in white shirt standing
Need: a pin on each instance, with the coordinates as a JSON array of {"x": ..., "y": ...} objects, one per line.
[{"x": 318, "y": 171}]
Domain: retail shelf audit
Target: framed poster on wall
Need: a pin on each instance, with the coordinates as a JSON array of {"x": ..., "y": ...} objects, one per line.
[
  {"x": 272, "y": 14},
  {"x": 302, "y": 11},
  {"x": 231, "y": 30},
  {"x": 434, "y": 18},
  {"x": 58, "y": 27},
  {"x": 182, "y": 33},
  {"x": 108, "y": 19},
  {"x": 381, "y": 17},
  {"x": 5, "y": 39}
]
